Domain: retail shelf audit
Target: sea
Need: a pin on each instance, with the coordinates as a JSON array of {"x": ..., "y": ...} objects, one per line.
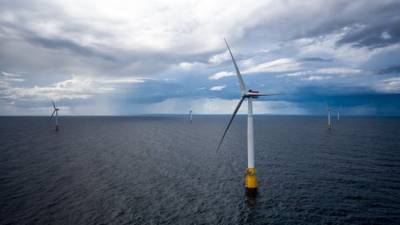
[{"x": 165, "y": 170}]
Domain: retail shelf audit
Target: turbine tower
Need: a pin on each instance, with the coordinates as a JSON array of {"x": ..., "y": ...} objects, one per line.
[
  {"x": 55, "y": 115},
  {"x": 250, "y": 179},
  {"x": 329, "y": 118},
  {"x": 190, "y": 116}
]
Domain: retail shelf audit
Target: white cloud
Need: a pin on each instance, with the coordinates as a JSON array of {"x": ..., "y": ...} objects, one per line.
[
  {"x": 353, "y": 59},
  {"x": 221, "y": 74},
  {"x": 315, "y": 74},
  {"x": 123, "y": 80},
  {"x": 249, "y": 67},
  {"x": 385, "y": 35},
  {"x": 164, "y": 25},
  {"x": 10, "y": 77},
  {"x": 186, "y": 65},
  {"x": 74, "y": 88},
  {"x": 327, "y": 46},
  {"x": 339, "y": 71},
  {"x": 391, "y": 85},
  {"x": 275, "y": 66},
  {"x": 219, "y": 58},
  {"x": 317, "y": 78},
  {"x": 218, "y": 88},
  {"x": 77, "y": 87},
  {"x": 297, "y": 74}
]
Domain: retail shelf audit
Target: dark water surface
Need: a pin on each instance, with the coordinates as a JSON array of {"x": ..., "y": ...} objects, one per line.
[{"x": 164, "y": 170}]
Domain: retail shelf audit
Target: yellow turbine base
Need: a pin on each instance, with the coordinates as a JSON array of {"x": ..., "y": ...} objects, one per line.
[{"x": 251, "y": 179}]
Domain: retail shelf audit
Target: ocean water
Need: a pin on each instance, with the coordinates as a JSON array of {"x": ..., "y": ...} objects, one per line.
[{"x": 164, "y": 170}]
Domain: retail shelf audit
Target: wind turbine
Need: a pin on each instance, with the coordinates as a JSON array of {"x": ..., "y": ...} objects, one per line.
[
  {"x": 190, "y": 116},
  {"x": 329, "y": 118},
  {"x": 250, "y": 179},
  {"x": 338, "y": 113},
  {"x": 55, "y": 114}
]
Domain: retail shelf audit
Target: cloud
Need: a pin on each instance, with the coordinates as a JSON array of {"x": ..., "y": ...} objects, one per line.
[
  {"x": 317, "y": 78},
  {"x": 219, "y": 106},
  {"x": 219, "y": 58},
  {"x": 390, "y": 69},
  {"x": 376, "y": 34},
  {"x": 316, "y": 74},
  {"x": 250, "y": 67},
  {"x": 10, "y": 77},
  {"x": 391, "y": 85},
  {"x": 77, "y": 87},
  {"x": 385, "y": 35},
  {"x": 186, "y": 65},
  {"x": 218, "y": 88},
  {"x": 174, "y": 49},
  {"x": 275, "y": 66},
  {"x": 221, "y": 74},
  {"x": 338, "y": 71},
  {"x": 316, "y": 59},
  {"x": 123, "y": 80}
]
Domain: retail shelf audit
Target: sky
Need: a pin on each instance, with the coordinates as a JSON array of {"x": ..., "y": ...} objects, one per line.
[{"x": 95, "y": 57}]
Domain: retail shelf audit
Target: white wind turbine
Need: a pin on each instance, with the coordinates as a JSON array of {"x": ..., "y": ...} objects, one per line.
[
  {"x": 250, "y": 179},
  {"x": 190, "y": 116},
  {"x": 329, "y": 118},
  {"x": 55, "y": 114}
]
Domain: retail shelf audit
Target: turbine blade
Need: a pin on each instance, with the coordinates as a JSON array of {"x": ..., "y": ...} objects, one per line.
[
  {"x": 54, "y": 105},
  {"x": 241, "y": 82},
  {"x": 52, "y": 114},
  {"x": 230, "y": 122},
  {"x": 261, "y": 94}
]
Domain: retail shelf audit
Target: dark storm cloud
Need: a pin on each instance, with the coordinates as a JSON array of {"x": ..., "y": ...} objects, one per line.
[
  {"x": 374, "y": 35},
  {"x": 362, "y": 22},
  {"x": 315, "y": 59},
  {"x": 17, "y": 31},
  {"x": 19, "y": 41},
  {"x": 390, "y": 70},
  {"x": 290, "y": 25},
  {"x": 69, "y": 56},
  {"x": 48, "y": 41},
  {"x": 365, "y": 23},
  {"x": 68, "y": 45}
]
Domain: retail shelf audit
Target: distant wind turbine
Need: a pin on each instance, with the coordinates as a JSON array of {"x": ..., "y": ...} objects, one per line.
[
  {"x": 55, "y": 115},
  {"x": 190, "y": 116},
  {"x": 250, "y": 179},
  {"x": 329, "y": 118}
]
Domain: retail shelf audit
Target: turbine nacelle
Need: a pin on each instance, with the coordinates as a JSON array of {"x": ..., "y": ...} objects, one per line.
[
  {"x": 54, "y": 106},
  {"x": 255, "y": 94},
  {"x": 252, "y": 94}
]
